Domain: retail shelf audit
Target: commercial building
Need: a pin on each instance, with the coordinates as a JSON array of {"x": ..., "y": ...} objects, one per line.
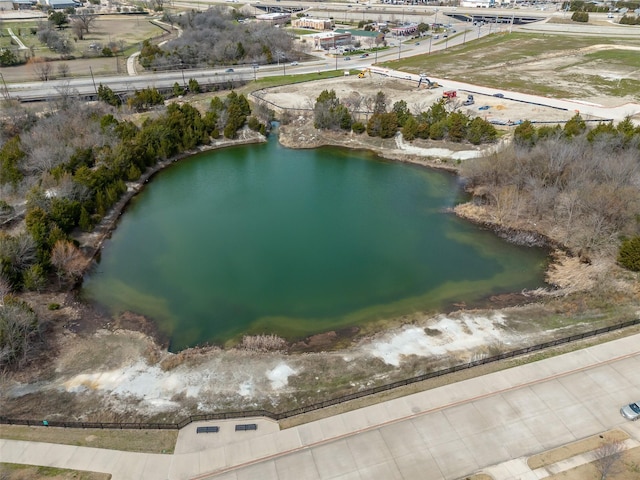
[
  {"x": 313, "y": 23},
  {"x": 274, "y": 18},
  {"x": 331, "y": 40}
]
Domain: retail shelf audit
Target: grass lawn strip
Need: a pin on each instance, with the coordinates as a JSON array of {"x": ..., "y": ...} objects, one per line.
[
  {"x": 628, "y": 469},
  {"x": 143, "y": 441},
  {"x": 11, "y": 471},
  {"x": 572, "y": 449}
]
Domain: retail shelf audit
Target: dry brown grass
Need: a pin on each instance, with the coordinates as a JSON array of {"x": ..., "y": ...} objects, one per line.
[
  {"x": 145, "y": 441},
  {"x": 453, "y": 378},
  {"x": 12, "y": 471},
  {"x": 572, "y": 449},
  {"x": 629, "y": 469},
  {"x": 263, "y": 343}
]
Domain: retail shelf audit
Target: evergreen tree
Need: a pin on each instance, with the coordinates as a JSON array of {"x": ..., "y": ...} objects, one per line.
[
  {"x": 401, "y": 110},
  {"x": 629, "y": 254},
  {"x": 575, "y": 126},
  {"x": 525, "y": 134},
  {"x": 10, "y": 157},
  {"x": 410, "y": 128},
  {"x": 380, "y": 103},
  {"x": 457, "y": 126}
]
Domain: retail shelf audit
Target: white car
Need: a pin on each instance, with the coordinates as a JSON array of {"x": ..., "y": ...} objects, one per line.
[
  {"x": 294, "y": 64},
  {"x": 631, "y": 411}
]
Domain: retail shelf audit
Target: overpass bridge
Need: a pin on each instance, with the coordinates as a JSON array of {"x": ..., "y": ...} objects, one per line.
[
  {"x": 277, "y": 8},
  {"x": 490, "y": 17}
]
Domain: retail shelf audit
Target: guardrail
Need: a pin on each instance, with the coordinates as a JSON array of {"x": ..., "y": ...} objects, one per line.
[{"x": 327, "y": 403}]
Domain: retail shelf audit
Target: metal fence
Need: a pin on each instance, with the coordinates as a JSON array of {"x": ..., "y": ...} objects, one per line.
[{"x": 327, "y": 403}]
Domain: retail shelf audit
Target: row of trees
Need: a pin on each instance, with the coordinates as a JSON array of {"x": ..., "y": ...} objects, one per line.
[
  {"x": 580, "y": 185},
  {"x": 73, "y": 166},
  {"x": 630, "y": 20},
  {"x": 214, "y": 37},
  {"x": 438, "y": 122}
]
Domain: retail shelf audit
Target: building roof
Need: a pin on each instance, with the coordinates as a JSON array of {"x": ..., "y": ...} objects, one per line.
[
  {"x": 358, "y": 33},
  {"x": 63, "y": 3}
]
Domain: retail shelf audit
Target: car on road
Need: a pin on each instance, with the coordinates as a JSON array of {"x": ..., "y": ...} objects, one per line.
[
  {"x": 294, "y": 64},
  {"x": 417, "y": 43},
  {"x": 499, "y": 95},
  {"x": 364, "y": 55},
  {"x": 347, "y": 58},
  {"x": 631, "y": 411},
  {"x": 229, "y": 70}
]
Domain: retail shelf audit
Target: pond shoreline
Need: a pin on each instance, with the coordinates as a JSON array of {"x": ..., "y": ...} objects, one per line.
[{"x": 93, "y": 242}]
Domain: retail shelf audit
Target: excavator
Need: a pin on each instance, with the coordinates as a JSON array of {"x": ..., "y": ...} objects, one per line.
[{"x": 429, "y": 83}]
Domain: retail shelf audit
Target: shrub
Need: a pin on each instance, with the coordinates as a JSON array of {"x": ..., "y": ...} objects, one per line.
[
  {"x": 582, "y": 17},
  {"x": 358, "y": 127},
  {"x": 263, "y": 343},
  {"x": 629, "y": 254}
]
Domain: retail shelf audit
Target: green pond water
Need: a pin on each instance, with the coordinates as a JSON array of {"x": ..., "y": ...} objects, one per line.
[{"x": 264, "y": 239}]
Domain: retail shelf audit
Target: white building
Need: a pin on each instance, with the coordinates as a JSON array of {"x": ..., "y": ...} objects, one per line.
[{"x": 274, "y": 18}]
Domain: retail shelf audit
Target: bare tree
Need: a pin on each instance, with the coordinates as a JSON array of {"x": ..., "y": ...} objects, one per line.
[
  {"x": 63, "y": 70},
  {"x": 19, "y": 252},
  {"x": 41, "y": 68},
  {"x": 68, "y": 260},
  {"x": 608, "y": 458},
  {"x": 18, "y": 327},
  {"x": 77, "y": 27},
  {"x": 85, "y": 20}
]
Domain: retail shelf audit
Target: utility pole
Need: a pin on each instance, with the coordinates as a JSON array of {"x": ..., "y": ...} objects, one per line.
[
  {"x": 6, "y": 89},
  {"x": 93, "y": 80}
]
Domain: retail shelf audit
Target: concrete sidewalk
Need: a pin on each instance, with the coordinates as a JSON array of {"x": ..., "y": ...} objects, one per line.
[{"x": 487, "y": 423}]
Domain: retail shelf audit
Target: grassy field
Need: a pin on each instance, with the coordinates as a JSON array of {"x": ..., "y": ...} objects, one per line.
[
  {"x": 551, "y": 65},
  {"x": 123, "y": 32}
]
